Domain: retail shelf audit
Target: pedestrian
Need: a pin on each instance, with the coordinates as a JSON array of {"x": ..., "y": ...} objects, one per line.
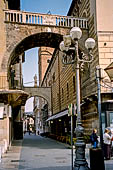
[
  {"x": 29, "y": 130},
  {"x": 94, "y": 138},
  {"x": 107, "y": 144},
  {"x": 112, "y": 143}
]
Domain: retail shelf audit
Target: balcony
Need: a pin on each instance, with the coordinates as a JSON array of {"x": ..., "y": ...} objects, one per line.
[{"x": 21, "y": 17}]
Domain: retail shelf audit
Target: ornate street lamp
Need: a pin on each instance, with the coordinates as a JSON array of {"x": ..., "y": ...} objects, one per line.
[{"x": 71, "y": 56}]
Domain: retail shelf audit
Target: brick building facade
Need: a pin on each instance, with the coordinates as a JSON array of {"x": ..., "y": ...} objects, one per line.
[{"x": 62, "y": 77}]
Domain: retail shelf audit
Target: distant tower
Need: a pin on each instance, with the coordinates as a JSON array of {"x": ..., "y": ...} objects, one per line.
[
  {"x": 45, "y": 54},
  {"x": 35, "y": 80}
]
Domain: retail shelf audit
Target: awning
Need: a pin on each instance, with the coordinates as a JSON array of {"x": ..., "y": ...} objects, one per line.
[
  {"x": 51, "y": 118},
  {"x": 63, "y": 113}
]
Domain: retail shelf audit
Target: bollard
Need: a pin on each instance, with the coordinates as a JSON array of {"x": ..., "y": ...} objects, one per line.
[
  {"x": 96, "y": 159},
  {"x": 3, "y": 149},
  {"x": 0, "y": 154},
  {"x": 5, "y": 145}
]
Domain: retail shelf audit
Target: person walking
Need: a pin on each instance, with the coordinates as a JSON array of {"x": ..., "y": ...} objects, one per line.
[
  {"x": 94, "y": 138},
  {"x": 107, "y": 144}
]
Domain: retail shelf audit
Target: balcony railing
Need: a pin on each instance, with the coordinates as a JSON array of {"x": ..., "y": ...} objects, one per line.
[
  {"x": 44, "y": 19},
  {"x": 13, "y": 83}
]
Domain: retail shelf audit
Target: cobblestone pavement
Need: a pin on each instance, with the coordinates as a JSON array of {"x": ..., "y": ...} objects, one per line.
[{"x": 36, "y": 152}]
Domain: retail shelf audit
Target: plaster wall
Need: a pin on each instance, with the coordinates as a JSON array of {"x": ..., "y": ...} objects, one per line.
[{"x": 104, "y": 15}]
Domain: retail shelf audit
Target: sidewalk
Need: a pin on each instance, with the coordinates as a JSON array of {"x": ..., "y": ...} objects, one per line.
[
  {"x": 11, "y": 159},
  {"x": 108, "y": 163}
]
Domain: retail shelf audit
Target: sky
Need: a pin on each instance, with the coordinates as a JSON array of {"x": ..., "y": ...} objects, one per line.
[
  {"x": 30, "y": 67},
  {"x": 60, "y": 7}
]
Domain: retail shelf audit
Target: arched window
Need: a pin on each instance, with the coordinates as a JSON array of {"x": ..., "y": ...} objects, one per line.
[{"x": 84, "y": 13}]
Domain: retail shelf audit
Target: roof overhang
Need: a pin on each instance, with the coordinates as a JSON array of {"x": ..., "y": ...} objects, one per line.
[
  {"x": 13, "y": 97},
  {"x": 109, "y": 71}
]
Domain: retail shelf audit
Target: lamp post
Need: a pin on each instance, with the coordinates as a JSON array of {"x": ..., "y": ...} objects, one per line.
[
  {"x": 72, "y": 57},
  {"x": 98, "y": 77}
]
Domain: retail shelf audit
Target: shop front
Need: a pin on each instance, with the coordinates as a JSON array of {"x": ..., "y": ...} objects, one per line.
[
  {"x": 60, "y": 125},
  {"x": 107, "y": 115}
]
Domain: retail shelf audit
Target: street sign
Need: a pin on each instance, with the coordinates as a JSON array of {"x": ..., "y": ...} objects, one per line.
[{"x": 70, "y": 109}]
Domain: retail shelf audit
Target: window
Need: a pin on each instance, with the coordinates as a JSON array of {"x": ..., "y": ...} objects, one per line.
[
  {"x": 58, "y": 99},
  {"x": 84, "y": 15},
  {"x": 67, "y": 90},
  {"x": 50, "y": 83},
  {"x": 53, "y": 77},
  {"x": 62, "y": 94},
  {"x": 46, "y": 82},
  {"x": 73, "y": 84}
]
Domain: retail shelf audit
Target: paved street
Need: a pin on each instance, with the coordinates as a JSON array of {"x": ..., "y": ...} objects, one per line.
[
  {"x": 36, "y": 152},
  {"x": 42, "y": 153}
]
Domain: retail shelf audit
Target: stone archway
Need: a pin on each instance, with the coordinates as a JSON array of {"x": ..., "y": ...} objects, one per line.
[
  {"x": 35, "y": 40},
  {"x": 44, "y": 92},
  {"x": 20, "y": 38}
]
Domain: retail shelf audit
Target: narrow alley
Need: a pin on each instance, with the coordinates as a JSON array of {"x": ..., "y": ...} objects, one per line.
[{"x": 37, "y": 152}]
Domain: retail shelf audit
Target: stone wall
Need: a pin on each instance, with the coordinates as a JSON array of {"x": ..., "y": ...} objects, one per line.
[
  {"x": 18, "y": 36},
  {"x": 2, "y": 36}
]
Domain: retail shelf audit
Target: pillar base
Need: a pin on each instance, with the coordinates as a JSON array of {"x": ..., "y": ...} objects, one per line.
[
  {"x": 80, "y": 160},
  {"x": 81, "y": 165}
]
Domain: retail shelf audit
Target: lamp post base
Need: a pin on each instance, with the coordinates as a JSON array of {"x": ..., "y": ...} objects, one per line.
[
  {"x": 81, "y": 166},
  {"x": 80, "y": 161}
]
